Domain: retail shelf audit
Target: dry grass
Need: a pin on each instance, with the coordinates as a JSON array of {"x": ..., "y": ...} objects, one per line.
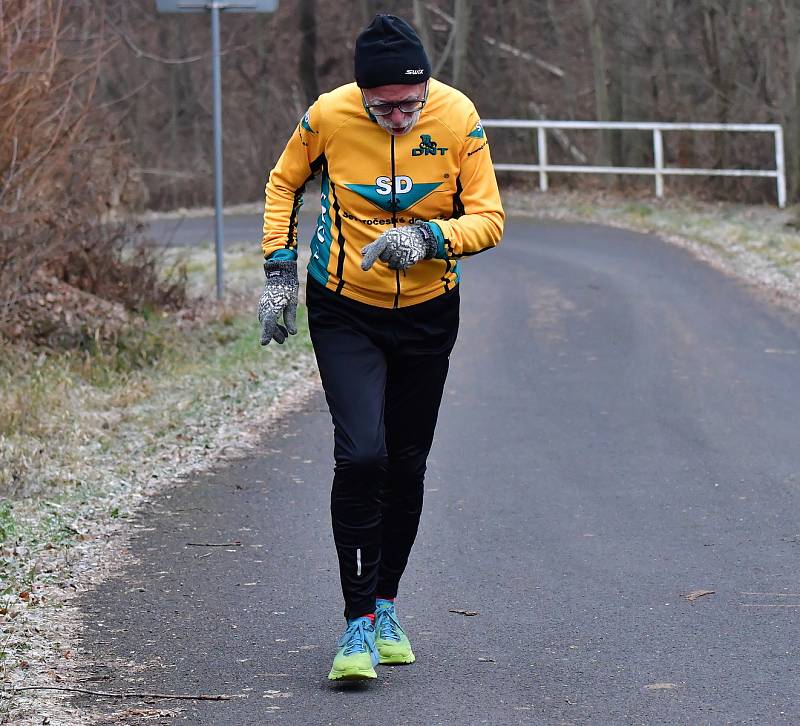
[{"x": 86, "y": 435}]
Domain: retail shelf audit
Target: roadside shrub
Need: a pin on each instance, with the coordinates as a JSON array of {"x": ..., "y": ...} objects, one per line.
[{"x": 65, "y": 269}]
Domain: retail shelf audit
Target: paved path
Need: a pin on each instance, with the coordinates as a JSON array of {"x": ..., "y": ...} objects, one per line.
[
  {"x": 199, "y": 231},
  {"x": 621, "y": 428}
]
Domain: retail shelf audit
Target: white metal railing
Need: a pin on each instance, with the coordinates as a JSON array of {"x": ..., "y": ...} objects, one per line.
[{"x": 659, "y": 171}]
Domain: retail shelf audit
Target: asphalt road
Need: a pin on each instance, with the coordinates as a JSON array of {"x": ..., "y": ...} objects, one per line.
[
  {"x": 621, "y": 428},
  {"x": 199, "y": 231}
]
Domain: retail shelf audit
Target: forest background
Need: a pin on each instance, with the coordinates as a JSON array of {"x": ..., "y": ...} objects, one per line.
[
  {"x": 638, "y": 60},
  {"x": 105, "y": 107}
]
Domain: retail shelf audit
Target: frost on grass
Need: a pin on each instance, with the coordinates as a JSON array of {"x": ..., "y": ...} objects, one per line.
[{"x": 92, "y": 440}]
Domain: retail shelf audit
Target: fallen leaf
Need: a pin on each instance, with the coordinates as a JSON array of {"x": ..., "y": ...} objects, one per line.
[
  {"x": 468, "y": 613},
  {"x": 692, "y": 596}
]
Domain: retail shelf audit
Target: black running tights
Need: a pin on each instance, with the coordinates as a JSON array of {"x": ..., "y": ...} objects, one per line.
[{"x": 383, "y": 371}]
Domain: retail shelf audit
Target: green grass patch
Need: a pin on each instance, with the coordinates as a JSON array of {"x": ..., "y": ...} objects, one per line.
[{"x": 638, "y": 209}]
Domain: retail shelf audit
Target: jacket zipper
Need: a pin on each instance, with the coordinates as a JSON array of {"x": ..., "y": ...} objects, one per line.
[{"x": 394, "y": 224}]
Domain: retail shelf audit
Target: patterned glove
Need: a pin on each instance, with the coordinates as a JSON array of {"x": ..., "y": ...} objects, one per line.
[
  {"x": 280, "y": 295},
  {"x": 401, "y": 247}
]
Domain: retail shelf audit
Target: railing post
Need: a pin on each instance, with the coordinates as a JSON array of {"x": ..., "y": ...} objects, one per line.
[
  {"x": 542, "y": 141},
  {"x": 780, "y": 167},
  {"x": 658, "y": 160}
]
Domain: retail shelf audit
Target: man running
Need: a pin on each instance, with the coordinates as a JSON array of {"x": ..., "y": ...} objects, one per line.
[{"x": 408, "y": 189}]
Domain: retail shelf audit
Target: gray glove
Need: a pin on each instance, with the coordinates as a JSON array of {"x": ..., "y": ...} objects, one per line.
[
  {"x": 401, "y": 247},
  {"x": 279, "y": 296}
]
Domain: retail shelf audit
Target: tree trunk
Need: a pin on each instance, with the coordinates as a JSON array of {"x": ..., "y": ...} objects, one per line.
[
  {"x": 308, "y": 50},
  {"x": 597, "y": 48},
  {"x": 367, "y": 11},
  {"x": 618, "y": 77},
  {"x": 791, "y": 110},
  {"x": 713, "y": 39},
  {"x": 424, "y": 31},
  {"x": 655, "y": 49},
  {"x": 462, "y": 36},
  {"x": 262, "y": 85},
  {"x": 558, "y": 37}
]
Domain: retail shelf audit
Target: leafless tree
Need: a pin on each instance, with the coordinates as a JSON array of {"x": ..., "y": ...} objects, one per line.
[{"x": 698, "y": 60}]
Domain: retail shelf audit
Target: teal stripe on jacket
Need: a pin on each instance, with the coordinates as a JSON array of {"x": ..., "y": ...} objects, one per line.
[{"x": 321, "y": 241}]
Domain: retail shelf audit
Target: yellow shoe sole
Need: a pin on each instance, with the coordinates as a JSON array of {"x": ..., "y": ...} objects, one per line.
[
  {"x": 391, "y": 655},
  {"x": 352, "y": 674}
]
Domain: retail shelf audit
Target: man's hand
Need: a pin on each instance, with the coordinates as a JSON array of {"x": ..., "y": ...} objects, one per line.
[
  {"x": 279, "y": 296},
  {"x": 401, "y": 247}
]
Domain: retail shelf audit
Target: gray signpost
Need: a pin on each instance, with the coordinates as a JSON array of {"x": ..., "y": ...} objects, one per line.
[{"x": 215, "y": 6}]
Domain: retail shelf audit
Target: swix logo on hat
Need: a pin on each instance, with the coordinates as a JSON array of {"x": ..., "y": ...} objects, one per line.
[
  {"x": 415, "y": 72},
  {"x": 406, "y": 192}
]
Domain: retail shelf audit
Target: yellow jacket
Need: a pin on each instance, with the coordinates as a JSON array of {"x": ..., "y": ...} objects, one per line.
[{"x": 440, "y": 172}]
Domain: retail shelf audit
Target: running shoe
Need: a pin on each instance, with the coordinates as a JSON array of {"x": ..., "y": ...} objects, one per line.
[
  {"x": 357, "y": 656},
  {"x": 391, "y": 641}
]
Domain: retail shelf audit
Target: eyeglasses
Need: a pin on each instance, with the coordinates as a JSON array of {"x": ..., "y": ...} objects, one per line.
[
  {"x": 384, "y": 109},
  {"x": 410, "y": 105}
]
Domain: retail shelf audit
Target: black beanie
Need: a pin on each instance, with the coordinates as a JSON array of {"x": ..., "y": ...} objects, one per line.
[{"x": 389, "y": 51}]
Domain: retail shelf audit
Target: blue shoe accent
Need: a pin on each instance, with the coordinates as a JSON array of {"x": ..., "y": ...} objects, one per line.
[
  {"x": 357, "y": 655},
  {"x": 391, "y": 640}
]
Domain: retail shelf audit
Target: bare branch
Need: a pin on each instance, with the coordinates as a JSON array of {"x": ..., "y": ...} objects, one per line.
[
  {"x": 151, "y": 56},
  {"x": 127, "y": 694},
  {"x": 505, "y": 47},
  {"x": 446, "y": 52}
]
